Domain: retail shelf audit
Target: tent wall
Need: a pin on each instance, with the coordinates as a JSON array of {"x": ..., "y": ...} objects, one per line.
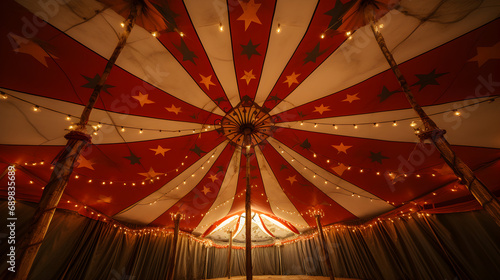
[{"x": 444, "y": 246}]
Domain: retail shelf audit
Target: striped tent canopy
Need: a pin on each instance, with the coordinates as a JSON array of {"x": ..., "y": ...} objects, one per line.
[{"x": 304, "y": 84}]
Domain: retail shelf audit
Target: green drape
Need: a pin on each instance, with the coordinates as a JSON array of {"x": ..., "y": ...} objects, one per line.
[{"x": 444, "y": 246}]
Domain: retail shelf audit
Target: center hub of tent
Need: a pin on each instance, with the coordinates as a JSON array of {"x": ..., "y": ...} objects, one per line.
[{"x": 247, "y": 122}]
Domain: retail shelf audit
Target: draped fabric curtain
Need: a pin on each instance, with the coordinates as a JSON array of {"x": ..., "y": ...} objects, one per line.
[
  {"x": 76, "y": 247},
  {"x": 444, "y": 246}
]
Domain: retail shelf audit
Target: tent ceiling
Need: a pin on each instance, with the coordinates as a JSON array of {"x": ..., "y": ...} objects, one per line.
[{"x": 338, "y": 136}]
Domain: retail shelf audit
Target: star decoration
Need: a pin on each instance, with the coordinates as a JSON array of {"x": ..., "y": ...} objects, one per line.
[
  {"x": 341, "y": 148},
  {"x": 167, "y": 14},
  {"x": 150, "y": 174},
  {"x": 351, "y": 97},
  {"x": 207, "y": 81},
  {"x": 249, "y": 12},
  {"x": 187, "y": 54},
  {"x": 206, "y": 190},
  {"x": 213, "y": 177},
  {"x": 143, "y": 99},
  {"x": 291, "y": 179},
  {"x": 250, "y": 49},
  {"x": 428, "y": 79},
  {"x": 174, "y": 109},
  {"x": 377, "y": 157},
  {"x": 339, "y": 169},
  {"x": 283, "y": 167},
  {"x": 32, "y": 48},
  {"x": 133, "y": 158},
  {"x": 306, "y": 144},
  {"x": 486, "y": 53},
  {"x": 275, "y": 98},
  {"x": 220, "y": 168},
  {"x": 83, "y": 162},
  {"x": 444, "y": 170},
  {"x": 313, "y": 54},
  {"x": 337, "y": 13},
  {"x": 248, "y": 76},
  {"x": 218, "y": 100},
  {"x": 321, "y": 109},
  {"x": 291, "y": 79},
  {"x": 386, "y": 94},
  {"x": 160, "y": 150},
  {"x": 92, "y": 83},
  {"x": 197, "y": 150}
]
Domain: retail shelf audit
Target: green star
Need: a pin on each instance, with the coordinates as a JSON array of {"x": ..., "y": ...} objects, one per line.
[
  {"x": 337, "y": 13},
  {"x": 306, "y": 144},
  {"x": 428, "y": 79},
  {"x": 313, "y": 54},
  {"x": 133, "y": 158},
  {"x": 386, "y": 94},
  {"x": 187, "y": 54},
  {"x": 92, "y": 83},
  {"x": 377, "y": 157},
  {"x": 250, "y": 49},
  {"x": 197, "y": 150}
]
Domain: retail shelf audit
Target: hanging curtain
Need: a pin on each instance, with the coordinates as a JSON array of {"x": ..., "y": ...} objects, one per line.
[{"x": 444, "y": 246}]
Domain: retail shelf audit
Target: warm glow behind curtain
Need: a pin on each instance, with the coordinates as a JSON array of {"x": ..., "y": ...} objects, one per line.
[{"x": 441, "y": 246}]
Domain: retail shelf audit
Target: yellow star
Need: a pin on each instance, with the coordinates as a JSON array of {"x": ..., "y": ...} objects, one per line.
[
  {"x": 174, "y": 109},
  {"x": 205, "y": 190},
  {"x": 292, "y": 179},
  {"x": 207, "y": 81},
  {"x": 248, "y": 76},
  {"x": 31, "y": 48},
  {"x": 249, "y": 12},
  {"x": 213, "y": 177},
  {"x": 83, "y": 162},
  {"x": 486, "y": 53},
  {"x": 444, "y": 170},
  {"x": 150, "y": 174},
  {"x": 160, "y": 150},
  {"x": 351, "y": 97},
  {"x": 291, "y": 79},
  {"x": 340, "y": 169},
  {"x": 341, "y": 148},
  {"x": 143, "y": 99},
  {"x": 321, "y": 109}
]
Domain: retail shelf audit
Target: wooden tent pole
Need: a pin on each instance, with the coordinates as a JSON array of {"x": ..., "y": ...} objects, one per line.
[
  {"x": 324, "y": 248},
  {"x": 63, "y": 167},
  {"x": 229, "y": 249},
  {"x": 171, "y": 265},
  {"x": 432, "y": 132},
  {"x": 248, "y": 211}
]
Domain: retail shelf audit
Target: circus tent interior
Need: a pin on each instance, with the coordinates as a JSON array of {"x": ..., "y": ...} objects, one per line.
[{"x": 190, "y": 139}]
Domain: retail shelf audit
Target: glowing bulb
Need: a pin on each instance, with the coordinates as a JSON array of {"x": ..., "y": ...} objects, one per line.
[
  {"x": 123, "y": 129},
  {"x": 375, "y": 124},
  {"x": 355, "y": 126},
  {"x": 140, "y": 131},
  {"x": 154, "y": 34},
  {"x": 122, "y": 24},
  {"x": 457, "y": 113},
  {"x": 413, "y": 124},
  {"x": 381, "y": 25},
  {"x": 322, "y": 35},
  {"x": 348, "y": 33},
  {"x": 36, "y": 108},
  {"x": 221, "y": 27},
  {"x": 4, "y": 95},
  {"x": 68, "y": 118},
  {"x": 182, "y": 34},
  {"x": 335, "y": 127},
  {"x": 394, "y": 123},
  {"x": 278, "y": 30}
]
